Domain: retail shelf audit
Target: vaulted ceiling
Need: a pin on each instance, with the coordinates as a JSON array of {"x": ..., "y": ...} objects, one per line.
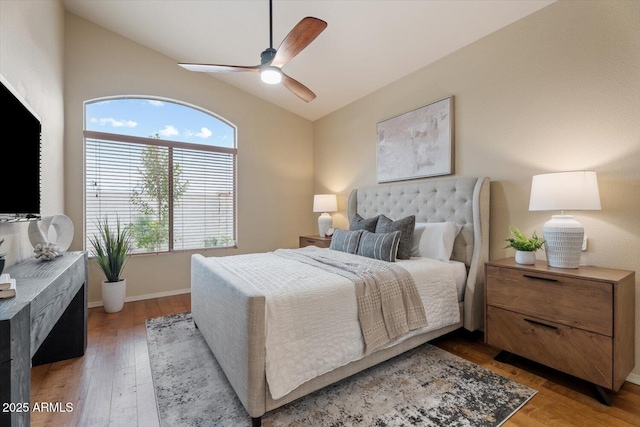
[{"x": 367, "y": 44}]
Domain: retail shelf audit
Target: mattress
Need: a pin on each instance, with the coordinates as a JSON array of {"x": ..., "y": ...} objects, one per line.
[{"x": 311, "y": 316}]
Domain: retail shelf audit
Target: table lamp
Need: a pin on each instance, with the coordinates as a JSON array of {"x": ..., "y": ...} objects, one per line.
[
  {"x": 324, "y": 203},
  {"x": 564, "y": 191}
]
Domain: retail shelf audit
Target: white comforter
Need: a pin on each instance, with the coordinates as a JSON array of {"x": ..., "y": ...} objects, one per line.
[{"x": 311, "y": 315}]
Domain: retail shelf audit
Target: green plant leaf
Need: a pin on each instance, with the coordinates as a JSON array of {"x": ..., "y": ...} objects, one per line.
[
  {"x": 111, "y": 247},
  {"x": 521, "y": 242}
]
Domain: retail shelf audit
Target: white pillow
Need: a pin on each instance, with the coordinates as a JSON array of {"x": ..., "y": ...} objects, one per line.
[{"x": 434, "y": 239}]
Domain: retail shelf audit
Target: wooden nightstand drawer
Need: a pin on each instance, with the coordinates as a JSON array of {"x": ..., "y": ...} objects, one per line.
[
  {"x": 580, "y": 303},
  {"x": 584, "y": 354},
  {"x": 321, "y": 242}
]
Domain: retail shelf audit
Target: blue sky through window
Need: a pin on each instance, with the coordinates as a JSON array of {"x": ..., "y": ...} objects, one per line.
[{"x": 146, "y": 117}]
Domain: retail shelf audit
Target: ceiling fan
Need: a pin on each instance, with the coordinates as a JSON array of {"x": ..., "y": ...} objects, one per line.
[{"x": 272, "y": 60}]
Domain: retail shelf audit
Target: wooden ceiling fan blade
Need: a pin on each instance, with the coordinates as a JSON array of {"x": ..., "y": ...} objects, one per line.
[
  {"x": 298, "y": 38},
  {"x": 298, "y": 89},
  {"x": 214, "y": 68}
]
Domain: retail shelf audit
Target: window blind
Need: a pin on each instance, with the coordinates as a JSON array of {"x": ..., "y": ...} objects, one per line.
[{"x": 174, "y": 195}]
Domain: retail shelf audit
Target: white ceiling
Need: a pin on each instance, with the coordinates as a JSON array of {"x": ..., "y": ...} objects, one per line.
[{"x": 366, "y": 45}]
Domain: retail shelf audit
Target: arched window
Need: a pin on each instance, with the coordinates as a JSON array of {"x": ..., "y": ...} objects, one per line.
[{"x": 164, "y": 168}]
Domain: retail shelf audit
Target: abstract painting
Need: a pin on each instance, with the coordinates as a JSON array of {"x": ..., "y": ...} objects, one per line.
[{"x": 417, "y": 144}]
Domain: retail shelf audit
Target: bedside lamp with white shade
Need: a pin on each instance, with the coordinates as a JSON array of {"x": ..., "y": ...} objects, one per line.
[
  {"x": 564, "y": 191},
  {"x": 325, "y": 203}
]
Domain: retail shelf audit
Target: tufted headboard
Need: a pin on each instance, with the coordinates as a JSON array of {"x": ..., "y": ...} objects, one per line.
[{"x": 461, "y": 200}]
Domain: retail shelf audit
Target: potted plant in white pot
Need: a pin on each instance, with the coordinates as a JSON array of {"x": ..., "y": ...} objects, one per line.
[
  {"x": 525, "y": 247},
  {"x": 111, "y": 249}
]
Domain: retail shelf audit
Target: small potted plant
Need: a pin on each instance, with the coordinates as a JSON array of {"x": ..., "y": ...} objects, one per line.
[
  {"x": 111, "y": 247},
  {"x": 525, "y": 246}
]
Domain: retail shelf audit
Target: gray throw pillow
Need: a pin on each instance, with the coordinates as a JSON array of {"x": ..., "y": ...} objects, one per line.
[
  {"x": 359, "y": 223},
  {"x": 382, "y": 246},
  {"x": 345, "y": 241},
  {"x": 406, "y": 226}
]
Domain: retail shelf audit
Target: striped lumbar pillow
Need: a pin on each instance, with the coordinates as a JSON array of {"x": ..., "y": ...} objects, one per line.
[
  {"x": 382, "y": 246},
  {"x": 345, "y": 241}
]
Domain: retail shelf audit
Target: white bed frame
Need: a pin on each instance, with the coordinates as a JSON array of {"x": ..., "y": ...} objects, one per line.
[{"x": 232, "y": 318}]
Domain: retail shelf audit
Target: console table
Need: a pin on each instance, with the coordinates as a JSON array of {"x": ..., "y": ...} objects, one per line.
[{"x": 45, "y": 322}]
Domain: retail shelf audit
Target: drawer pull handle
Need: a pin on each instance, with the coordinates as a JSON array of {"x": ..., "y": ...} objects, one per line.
[
  {"x": 540, "y": 278},
  {"x": 540, "y": 323}
]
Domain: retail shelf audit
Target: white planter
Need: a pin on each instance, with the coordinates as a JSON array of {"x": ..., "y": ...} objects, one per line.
[
  {"x": 525, "y": 257},
  {"x": 113, "y": 294}
]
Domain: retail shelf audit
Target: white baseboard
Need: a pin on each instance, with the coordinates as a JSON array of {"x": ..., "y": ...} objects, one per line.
[
  {"x": 634, "y": 378},
  {"x": 94, "y": 304}
]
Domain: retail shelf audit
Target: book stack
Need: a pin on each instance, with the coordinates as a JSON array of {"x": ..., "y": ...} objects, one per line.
[{"x": 7, "y": 286}]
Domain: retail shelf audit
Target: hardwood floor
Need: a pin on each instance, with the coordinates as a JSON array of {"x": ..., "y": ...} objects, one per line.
[{"x": 111, "y": 384}]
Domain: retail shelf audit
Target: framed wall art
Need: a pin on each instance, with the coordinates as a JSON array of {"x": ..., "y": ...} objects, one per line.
[{"x": 416, "y": 144}]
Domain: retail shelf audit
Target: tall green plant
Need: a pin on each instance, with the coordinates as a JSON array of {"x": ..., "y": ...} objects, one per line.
[{"x": 111, "y": 248}]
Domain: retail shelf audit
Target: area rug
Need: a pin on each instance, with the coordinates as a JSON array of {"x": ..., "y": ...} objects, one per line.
[{"x": 426, "y": 386}]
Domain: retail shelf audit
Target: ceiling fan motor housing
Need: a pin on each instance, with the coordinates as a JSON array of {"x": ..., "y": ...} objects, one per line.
[{"x": 267, "y": 55}]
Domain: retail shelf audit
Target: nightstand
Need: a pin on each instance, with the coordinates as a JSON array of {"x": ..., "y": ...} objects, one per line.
[
  {"x": 580, "y": 321},
  {"x": 321, "y": 242}
]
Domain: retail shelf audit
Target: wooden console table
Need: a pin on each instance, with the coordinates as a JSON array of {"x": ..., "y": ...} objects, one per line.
[{"x": 45, "y": 322}]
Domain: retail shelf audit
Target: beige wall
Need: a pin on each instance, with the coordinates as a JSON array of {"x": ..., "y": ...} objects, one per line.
[
  {"x": 31, "y": 60},
  {"x": 558, "y": 90},
  {"x": 275, "y": 165}
]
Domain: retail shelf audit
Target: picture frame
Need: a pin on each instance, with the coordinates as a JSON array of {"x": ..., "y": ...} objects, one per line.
[{"x": 416, "y": 144}]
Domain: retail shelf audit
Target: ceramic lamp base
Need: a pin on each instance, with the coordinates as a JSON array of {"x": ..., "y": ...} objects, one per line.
[
  {"x": 563, "y": 241},
  {"x": 324, "y": 221}
]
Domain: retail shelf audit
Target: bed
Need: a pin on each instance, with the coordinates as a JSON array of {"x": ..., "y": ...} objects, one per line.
[{"x": 242, "y": 303}]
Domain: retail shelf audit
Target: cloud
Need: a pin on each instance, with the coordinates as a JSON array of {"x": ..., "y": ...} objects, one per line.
[
  {"x": 168, "y": 131},
  {"x": 155, "y": 103},
  {"x": 204, "y": 133},
  {"x": 115, "y": 123}
]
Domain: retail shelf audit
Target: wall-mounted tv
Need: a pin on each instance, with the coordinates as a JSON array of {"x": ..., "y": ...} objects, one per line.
[{"x": 20, "y": 192}]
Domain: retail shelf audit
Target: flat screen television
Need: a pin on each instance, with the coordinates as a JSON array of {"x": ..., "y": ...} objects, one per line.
[{"x": 20, "y": 193}]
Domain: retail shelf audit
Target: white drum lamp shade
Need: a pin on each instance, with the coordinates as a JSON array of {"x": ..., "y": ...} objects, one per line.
[
  {"x": 324, "y": 203},
  {"x": 564, "y": 191}
]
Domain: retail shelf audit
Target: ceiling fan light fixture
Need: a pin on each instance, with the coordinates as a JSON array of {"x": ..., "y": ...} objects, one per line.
[{"x": 271, "y": 75}]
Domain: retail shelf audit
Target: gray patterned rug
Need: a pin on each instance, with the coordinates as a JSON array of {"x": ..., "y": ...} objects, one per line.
[{"x": 426, "y": 386}]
